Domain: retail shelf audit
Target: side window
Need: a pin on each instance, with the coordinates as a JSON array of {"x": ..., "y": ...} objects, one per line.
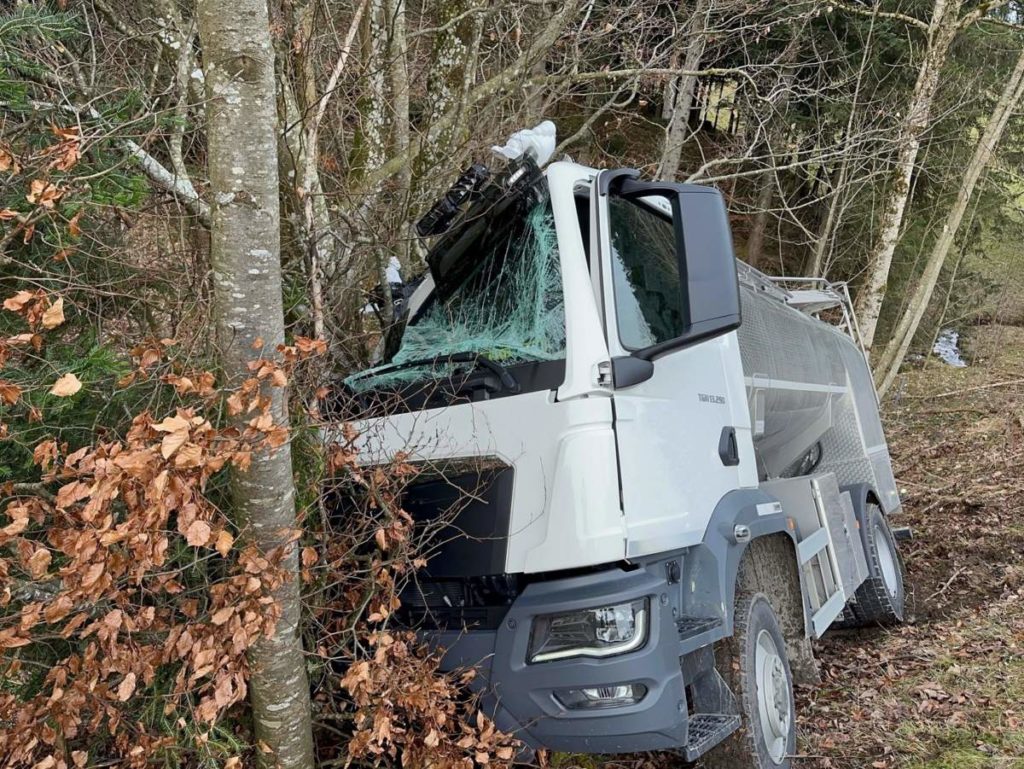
[{"x": 649, "y": 304}]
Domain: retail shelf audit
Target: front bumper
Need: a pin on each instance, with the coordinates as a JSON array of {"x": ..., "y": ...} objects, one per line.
[{"x": 520, "y": 697}]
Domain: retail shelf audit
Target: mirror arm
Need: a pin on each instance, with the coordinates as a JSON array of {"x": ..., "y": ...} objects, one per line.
[{"x": 629, "y": 370}]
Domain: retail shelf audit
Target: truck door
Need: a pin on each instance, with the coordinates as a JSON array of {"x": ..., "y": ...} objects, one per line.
[{"x": 665, "y": 277}]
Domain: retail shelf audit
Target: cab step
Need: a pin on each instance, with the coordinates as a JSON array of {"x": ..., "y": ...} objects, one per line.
[
  {"x": 707, "y": 730},
  {"x": 695, "y": 632}
]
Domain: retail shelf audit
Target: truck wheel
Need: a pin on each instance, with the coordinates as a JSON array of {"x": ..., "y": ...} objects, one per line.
[
  {"x": 880, "y": 600},
  {"x": 755, "y": 665}
]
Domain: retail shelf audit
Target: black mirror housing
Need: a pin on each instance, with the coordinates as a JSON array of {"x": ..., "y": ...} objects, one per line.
[{"x": 707, "y": 261}]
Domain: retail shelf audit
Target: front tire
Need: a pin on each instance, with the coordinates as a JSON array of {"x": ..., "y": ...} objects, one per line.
[{"x": 755, "y": 665}]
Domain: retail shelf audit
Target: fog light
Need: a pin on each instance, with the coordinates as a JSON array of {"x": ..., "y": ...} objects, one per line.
[
  {"x": 593, "y": 698},
  {"x": 599, "y": 632}
]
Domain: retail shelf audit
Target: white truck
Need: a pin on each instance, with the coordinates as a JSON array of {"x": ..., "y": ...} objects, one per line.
[{"x": 654, "y": 473}]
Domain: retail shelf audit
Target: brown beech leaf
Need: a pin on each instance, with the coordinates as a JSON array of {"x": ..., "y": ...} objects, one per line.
[
  {"x": 39, "y": 563},
  {"x": 172, "y": 442},
  {"x": 191, "y": 454},
  {"x": 172, "y": 424},
  {"x": 7, "y": 161},
  {"x": 222, "y": 615},
  {"x": 127, "y": 688},
  {"x": 43, "y": 193},
  {"x": 54, "y": 316},
  {"x": 198, "y": 533},
  {"x": 9, "y": 392},
  {"x": 224, "y": 542},
  {"x": 93, "y": 574},
  {"x": 17, "y": 302},
  {"x": 66, "y": 386}
]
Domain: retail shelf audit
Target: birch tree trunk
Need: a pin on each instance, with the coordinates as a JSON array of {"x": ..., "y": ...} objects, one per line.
[
  {"x": 940, "y": 34},
  {"x": 247, "y": 305},
  {"x": 679, "y": 120},
  {"x": 453, "y": 54},
  {"x": 890, "y": 362}
]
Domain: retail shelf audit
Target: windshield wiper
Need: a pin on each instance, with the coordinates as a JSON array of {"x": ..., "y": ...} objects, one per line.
[{"x": 508, "y": 381}]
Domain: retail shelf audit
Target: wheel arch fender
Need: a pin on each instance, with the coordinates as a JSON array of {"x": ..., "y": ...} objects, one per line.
[
  {"x": 716, "y": 563},
  {"x": 863, "y": 496}
]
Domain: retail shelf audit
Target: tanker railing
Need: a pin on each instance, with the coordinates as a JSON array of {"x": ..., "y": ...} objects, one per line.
[{"x": 809, "y": 295}]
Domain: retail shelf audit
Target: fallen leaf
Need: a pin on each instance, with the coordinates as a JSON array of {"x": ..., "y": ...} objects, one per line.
[
  {"x": 127, "y": 688},
  {"x": 9, "y": 392},
  {"x": 66, "y": 386},
  {"x": 7, "y": 161},
  {"x": 54, "y": 316},
  {"x": 18, "y": 301},
  {"x": 39, "y": 563},
  {"x": 223, "y": 615},
  {"x": 191, "y": 455},
  {"x": 44, "y": 193},
  {"x": 224, "y": 542},
  {"x": 198, "y": 533}
]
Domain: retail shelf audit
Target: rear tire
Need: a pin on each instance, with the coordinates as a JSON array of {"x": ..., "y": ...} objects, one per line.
[
  {"x": 755, "y": 665},
  {"x": 881, "y": 599}
]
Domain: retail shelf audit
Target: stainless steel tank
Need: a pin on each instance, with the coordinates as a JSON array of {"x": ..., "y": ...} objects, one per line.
[{"x": 810, "y": 392}]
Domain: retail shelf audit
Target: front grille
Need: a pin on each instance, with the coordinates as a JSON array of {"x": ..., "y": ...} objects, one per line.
[{"x": 458, "y": 603}]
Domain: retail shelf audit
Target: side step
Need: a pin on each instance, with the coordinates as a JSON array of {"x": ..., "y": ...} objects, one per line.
[
  {"x": 695, "y": 632},
  {"x": 707, "y": 730}
]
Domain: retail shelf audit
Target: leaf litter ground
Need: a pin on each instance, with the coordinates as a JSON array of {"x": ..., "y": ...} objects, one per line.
[{"x": 946, "y": 690}]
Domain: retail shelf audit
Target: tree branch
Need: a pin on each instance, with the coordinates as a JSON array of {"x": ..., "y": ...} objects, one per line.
[{"x": 860, "y": 11}]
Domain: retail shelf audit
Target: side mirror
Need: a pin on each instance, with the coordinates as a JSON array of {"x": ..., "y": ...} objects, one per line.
[
  {"x": 710, "y": 301},
  {"x": 709, "y": 263}
]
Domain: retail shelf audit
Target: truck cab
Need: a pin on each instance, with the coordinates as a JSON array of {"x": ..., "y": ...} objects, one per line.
[{"x": 611, "y": 465}]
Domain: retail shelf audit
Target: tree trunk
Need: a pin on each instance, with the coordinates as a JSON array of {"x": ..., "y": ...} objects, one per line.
[
  {"x": 679, "y": 120},
  {"x": 452, "y": 56},
  {"x": 941, "y": 31},
  {"x": 245, "y": 256},
  {"x": 755, "y": 240},
  {"x": 890, "y": 362}
]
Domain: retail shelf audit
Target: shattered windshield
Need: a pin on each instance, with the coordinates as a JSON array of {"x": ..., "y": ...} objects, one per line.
[{"x": 509, "y": 308}]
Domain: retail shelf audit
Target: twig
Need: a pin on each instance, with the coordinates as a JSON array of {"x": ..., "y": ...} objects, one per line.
[
  {"x": 947, "y": 583},
  {"x": 967, "y": 390}
]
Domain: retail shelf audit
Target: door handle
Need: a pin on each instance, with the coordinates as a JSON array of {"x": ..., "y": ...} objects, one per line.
[{"x": 728, "y": 448}]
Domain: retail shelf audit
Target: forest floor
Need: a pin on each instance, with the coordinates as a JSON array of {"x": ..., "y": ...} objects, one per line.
[{"x": 946, "y": 689}]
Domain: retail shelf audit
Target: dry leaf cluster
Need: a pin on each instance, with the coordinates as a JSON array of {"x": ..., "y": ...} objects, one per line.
[{"x": 123, "y": 563}]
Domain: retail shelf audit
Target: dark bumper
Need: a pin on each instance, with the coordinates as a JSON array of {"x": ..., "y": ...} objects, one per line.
[{"x": 520, "y": 697}]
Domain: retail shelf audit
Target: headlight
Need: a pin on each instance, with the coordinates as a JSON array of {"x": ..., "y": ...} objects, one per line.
[{"x": 598, "y": 632}]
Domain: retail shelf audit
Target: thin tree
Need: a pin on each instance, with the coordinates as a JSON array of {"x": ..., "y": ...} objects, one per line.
[
  {"x": 682, "y": 89},
  {"x": 889, "y": 363},
  {"x": 939, "y": 34},
  {"x": 242, "y": 135}
]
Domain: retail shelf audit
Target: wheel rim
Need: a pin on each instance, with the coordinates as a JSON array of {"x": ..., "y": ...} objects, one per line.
[
  {"x": 886, "y": 561},
  {"x": 773, "y": 696}
]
